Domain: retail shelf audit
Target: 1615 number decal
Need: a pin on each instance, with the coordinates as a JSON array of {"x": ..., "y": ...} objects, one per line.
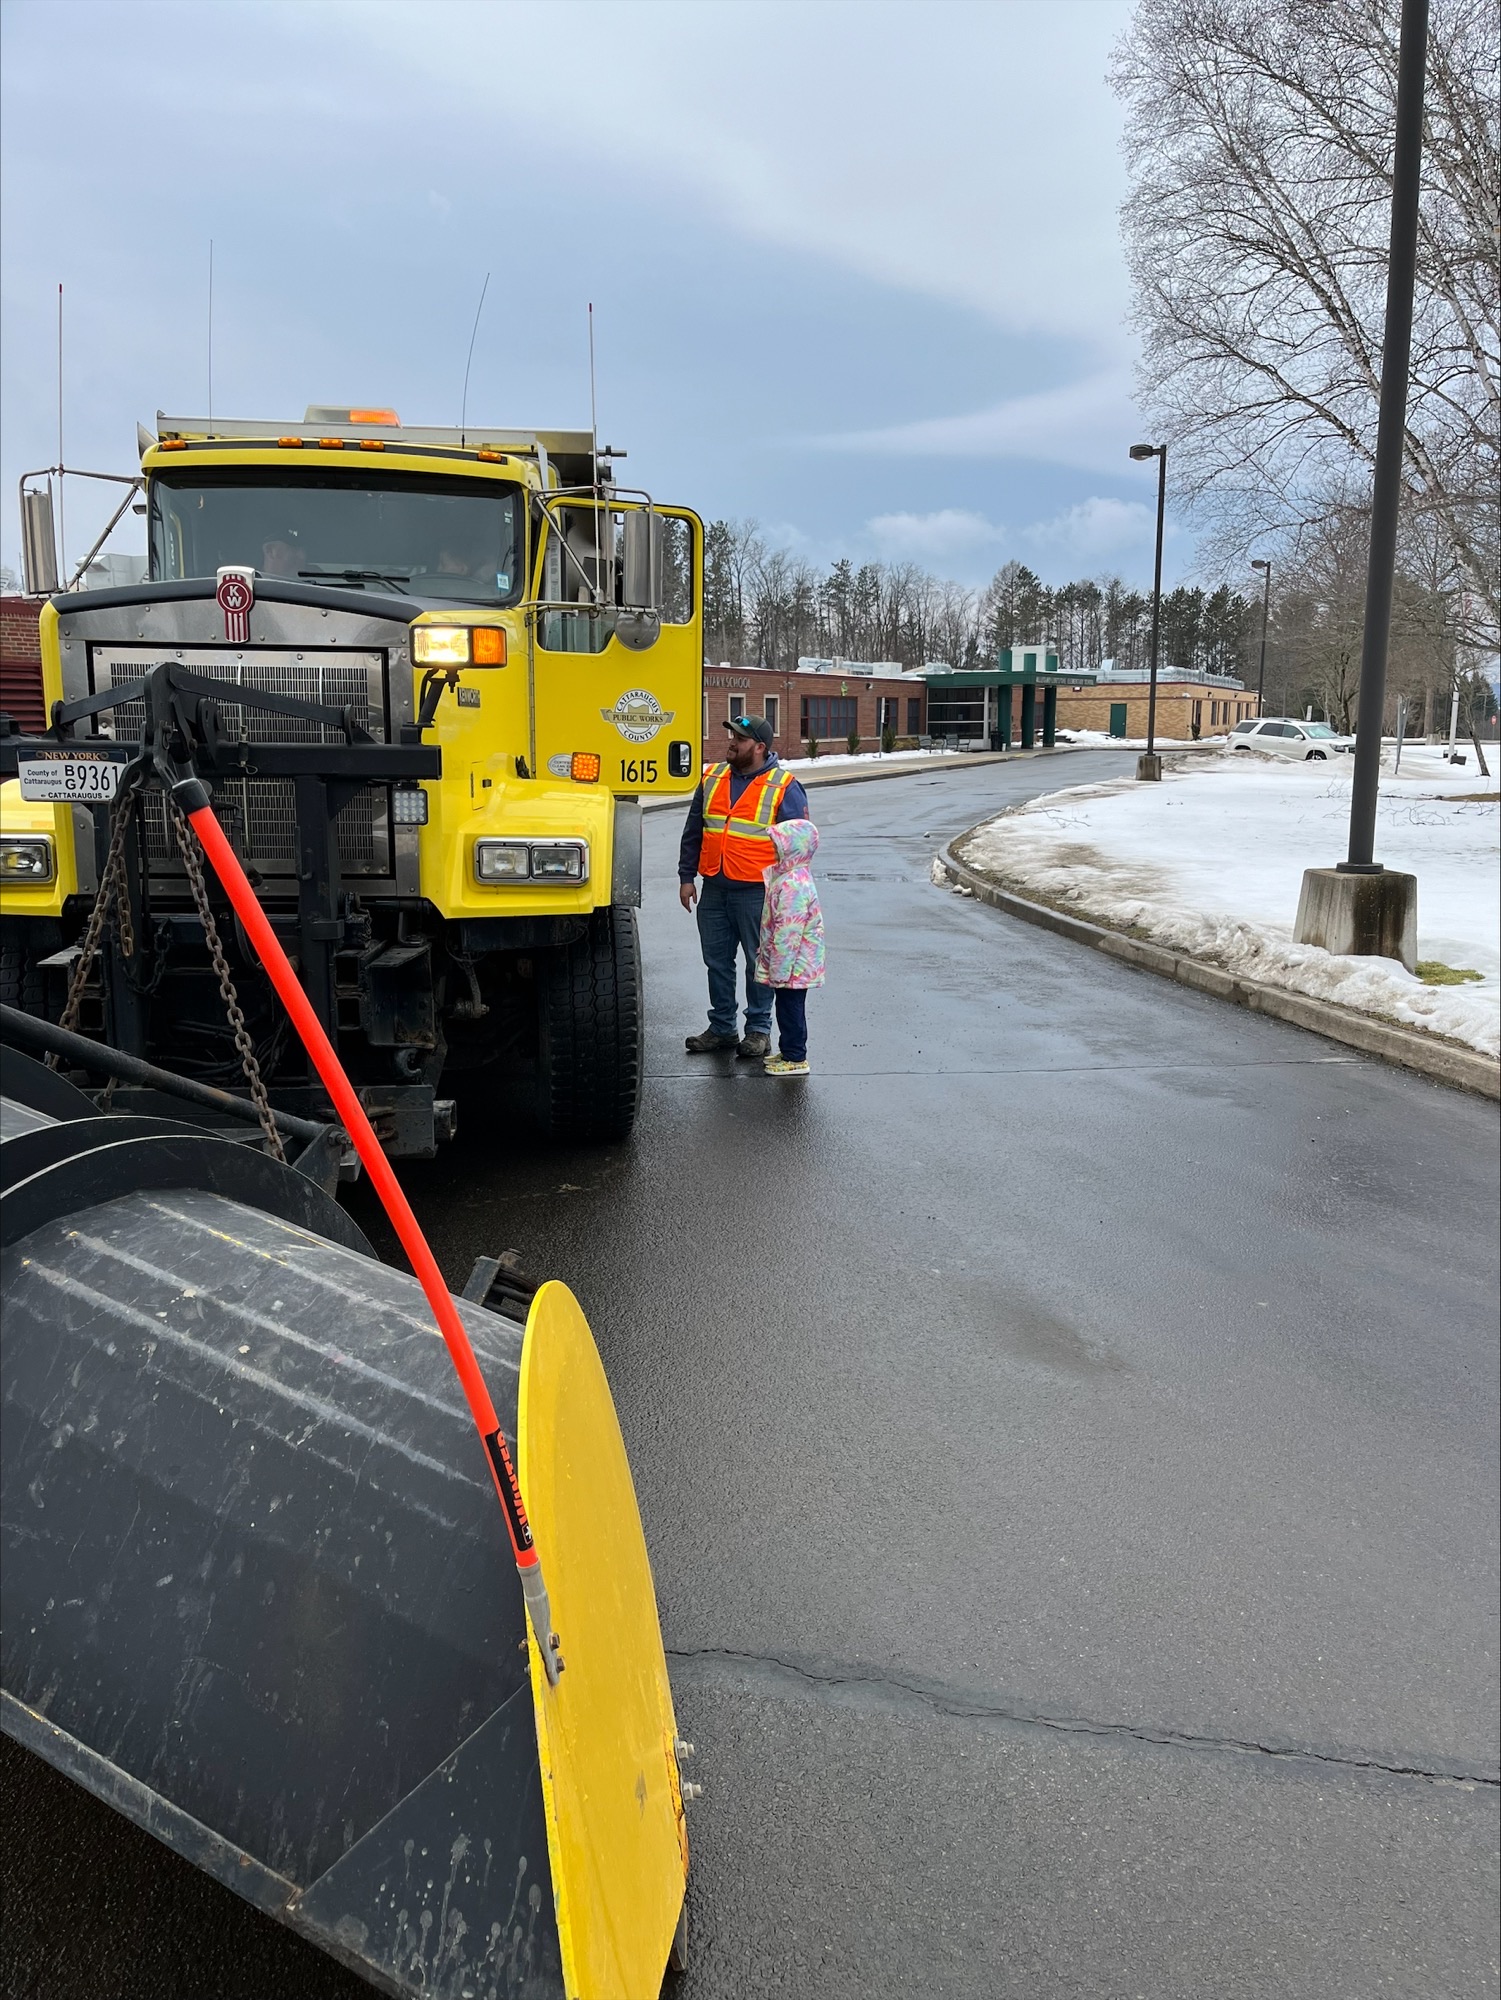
[{"x": 638, "y": 770}]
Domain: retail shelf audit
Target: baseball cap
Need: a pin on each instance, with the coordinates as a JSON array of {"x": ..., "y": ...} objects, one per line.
[{"x": 751, "y": 725}]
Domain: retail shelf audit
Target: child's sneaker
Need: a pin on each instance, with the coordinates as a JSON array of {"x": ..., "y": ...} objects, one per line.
[{"x": 779, "y": 1066}]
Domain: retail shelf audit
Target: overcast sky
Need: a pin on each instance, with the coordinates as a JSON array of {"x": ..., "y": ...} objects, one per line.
[{"x": 855, "y": 267}]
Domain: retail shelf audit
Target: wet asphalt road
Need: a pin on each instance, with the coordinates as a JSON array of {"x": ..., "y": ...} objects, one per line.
[{"x": 1065, "y": 1428}]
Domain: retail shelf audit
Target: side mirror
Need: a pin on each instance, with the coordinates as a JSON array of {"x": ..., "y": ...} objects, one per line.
[
  {"x": 38, "y": 542},
  {"x": 639, "y": 623},
  {"x": 641, "y": 560}
]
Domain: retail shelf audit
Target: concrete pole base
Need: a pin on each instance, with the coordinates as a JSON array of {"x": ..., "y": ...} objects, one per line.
[
  {"x": 1149, "y": 765},
  {"x": 1366, "y": 916}
]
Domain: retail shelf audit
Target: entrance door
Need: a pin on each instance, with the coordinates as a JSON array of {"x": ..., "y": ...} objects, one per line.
[{"x": 1117, "y": 718}]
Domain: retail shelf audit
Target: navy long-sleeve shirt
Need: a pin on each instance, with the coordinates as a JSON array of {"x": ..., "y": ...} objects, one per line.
[{"x": 793, "y": 804}]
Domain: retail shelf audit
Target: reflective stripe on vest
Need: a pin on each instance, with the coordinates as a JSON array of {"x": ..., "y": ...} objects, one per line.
[{"x": 737, "y": 838}]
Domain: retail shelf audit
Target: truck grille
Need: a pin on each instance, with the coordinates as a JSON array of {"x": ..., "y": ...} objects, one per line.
[{"x": 258, "y": 813}]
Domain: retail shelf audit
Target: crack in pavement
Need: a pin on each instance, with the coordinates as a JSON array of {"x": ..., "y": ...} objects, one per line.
[
  {"x": 967, "y": 1703},
  {"x": 747, "y": 1073}
]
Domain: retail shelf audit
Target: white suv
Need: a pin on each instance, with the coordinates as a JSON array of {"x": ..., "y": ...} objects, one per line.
[{"x": 1281, "y": 736}]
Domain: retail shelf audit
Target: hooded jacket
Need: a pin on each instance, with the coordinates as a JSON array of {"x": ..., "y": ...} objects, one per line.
[{"x": 791, "y": 949}]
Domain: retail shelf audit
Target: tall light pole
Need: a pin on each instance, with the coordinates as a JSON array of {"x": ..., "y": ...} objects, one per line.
[
  {"x": 1150, "y": 766},
  {"x": 1386, "y": 484},
  {"x": 1358, "y": 906},
  {"x": 1266, "y": 607}
]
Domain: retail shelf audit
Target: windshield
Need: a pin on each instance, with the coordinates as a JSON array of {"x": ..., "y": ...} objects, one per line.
[
  {"x": 1316, "y": 729},
  {"x": 456, "y": 539}
]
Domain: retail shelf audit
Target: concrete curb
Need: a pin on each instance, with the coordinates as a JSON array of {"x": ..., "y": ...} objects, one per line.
[{"x": 1463, "y": 1068}]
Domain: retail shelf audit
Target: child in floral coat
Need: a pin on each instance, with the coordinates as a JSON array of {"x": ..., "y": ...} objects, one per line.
[{"x": 790, "y": 958}]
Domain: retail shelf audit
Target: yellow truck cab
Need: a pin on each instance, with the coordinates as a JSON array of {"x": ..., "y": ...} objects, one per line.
[{"x": 469, "y": 937}]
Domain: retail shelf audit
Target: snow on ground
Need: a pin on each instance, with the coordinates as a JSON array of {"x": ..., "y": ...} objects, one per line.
[
  {"x": 1099, "y": 739},
  {"x": 1210, "y": 862}
]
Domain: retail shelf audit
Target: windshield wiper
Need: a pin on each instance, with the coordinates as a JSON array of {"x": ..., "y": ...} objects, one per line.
[{"x": 396, "y": 577}]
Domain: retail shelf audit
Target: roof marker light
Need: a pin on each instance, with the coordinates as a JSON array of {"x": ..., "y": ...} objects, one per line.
[
  {"x": 330, "y": 444},
  {"x": 290, "y": 444}
]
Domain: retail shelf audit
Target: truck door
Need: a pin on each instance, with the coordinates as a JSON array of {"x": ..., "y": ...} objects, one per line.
[{"x": 617, "y": 642}]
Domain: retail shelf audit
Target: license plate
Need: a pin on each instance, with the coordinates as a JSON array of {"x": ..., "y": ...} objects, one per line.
[{"x": 63, "y": 777}]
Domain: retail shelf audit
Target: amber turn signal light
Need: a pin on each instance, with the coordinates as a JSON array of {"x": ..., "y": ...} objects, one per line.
[
  {"x": 583, "y": 767},
  {"x": 489, "y": 646}
]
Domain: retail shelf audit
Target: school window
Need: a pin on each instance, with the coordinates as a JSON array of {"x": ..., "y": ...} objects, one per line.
[
  {"x": 734, "y": 706},
  {"x": 827, "y": 716},
  {"x": 886, "y": 711},
  {"x": 914, "y": 715},
  {"x": 772, "y": 708}
]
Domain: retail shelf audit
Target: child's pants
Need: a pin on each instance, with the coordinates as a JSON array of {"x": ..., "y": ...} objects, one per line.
[{"x": 792, "y": 1022}]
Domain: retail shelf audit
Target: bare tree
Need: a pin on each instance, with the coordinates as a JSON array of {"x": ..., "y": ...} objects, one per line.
[{"x": 1259, "y": 136}]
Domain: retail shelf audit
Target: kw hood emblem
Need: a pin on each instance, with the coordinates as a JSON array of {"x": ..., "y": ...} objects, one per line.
[{"x": 236, "y": 594}]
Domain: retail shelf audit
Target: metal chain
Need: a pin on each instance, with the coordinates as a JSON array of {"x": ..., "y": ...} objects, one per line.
[
  {"x": 112, "y": 891},
  {"x": 187, "y": 842}
]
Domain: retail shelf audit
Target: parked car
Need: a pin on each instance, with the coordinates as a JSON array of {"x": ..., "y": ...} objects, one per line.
[{"x": 1283, "y": 736}]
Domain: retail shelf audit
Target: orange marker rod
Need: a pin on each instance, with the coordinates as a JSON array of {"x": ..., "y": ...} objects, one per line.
[{"x": 226, "y": 865}]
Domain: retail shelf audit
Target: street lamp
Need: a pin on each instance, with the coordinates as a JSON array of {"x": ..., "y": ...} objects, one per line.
[
  {"x": 1150, "y": 766},
  {"x": 1266, "y": 606}
]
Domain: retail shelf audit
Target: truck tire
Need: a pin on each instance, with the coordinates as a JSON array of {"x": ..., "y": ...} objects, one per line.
[
  {"x": 22, "y": 942},
  {"x": 591, "y": 1032}
]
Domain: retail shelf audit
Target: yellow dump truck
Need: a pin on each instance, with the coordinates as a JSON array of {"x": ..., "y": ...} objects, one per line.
[{"x": 487, "y": 652}]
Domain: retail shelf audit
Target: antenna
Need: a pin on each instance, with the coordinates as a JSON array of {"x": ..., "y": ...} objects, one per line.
[
  {"x": 593, "y": 405},
  {"x": 594, "y": 460},
  {"x": 464, "y": 409},
  {"x": 62, "y": 530},
  {"x": 211, "y": 333}
]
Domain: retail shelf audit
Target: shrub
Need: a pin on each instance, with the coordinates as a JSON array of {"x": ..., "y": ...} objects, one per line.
[
  {"x": 853, "y": 740},
  {"x": 888, "y": 739},
  {"x": 811, "y": 746}
]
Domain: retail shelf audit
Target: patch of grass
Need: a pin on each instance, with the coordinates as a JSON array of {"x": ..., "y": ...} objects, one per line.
[{"x": 1433, "y": 972}]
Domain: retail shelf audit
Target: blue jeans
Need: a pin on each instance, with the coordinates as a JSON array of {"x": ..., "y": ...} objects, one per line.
[
  {"x": 792, "y": 1022},
  {"x": 729, "y": 921}
]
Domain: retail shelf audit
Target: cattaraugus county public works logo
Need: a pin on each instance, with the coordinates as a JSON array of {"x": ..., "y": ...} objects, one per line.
[{"x": 638, "y": 715}]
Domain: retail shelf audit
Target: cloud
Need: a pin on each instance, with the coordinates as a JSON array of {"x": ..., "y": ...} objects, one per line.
[
  {"x": 951, "y": 535},
  {"x": 1097, "y": 531},
  {"x": 1088, "y": 424},
  {"x": 962, "y": 151}
]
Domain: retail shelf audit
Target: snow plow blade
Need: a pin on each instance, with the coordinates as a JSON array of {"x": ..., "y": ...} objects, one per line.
[{"x": 255, "y": 1590}]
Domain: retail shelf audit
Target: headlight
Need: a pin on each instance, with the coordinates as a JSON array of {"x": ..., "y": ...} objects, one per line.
[
  {"x": 26, "y": 857},
  {"x": 502, "y": 861},
  {"x": 531, "y": 860},
  {"x": 560, "y": 861},
  {"x": 440, "y": 645}
]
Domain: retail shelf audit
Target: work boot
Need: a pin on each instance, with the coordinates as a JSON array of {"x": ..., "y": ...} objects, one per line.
[
  {"x": 706, "y": 1043},
  {"x": 753, "y": 1045}
]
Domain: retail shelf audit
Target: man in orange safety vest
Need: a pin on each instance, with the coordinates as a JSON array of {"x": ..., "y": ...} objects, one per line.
[{"x": 727, "y": 841}]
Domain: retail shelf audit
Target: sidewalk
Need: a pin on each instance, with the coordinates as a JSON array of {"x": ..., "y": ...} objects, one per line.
[{"x": 865, "y": 770}]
